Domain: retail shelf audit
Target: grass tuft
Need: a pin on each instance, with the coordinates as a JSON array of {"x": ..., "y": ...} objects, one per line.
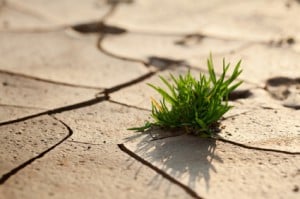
[{"x": 191, "y": 104}]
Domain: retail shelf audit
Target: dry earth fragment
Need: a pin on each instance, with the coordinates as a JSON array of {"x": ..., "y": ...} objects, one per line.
[
  {"x": 90, "y": 164},
  {"x": 214, "y": 169},
  {"x": 264, "y": 128},
  {"x": 268, "y": 19},
  {"x": 23, "y": 96},
  {"x": 22, "y": 141},
  {"x": 194, "y": 49},
  {"x": 45, "y": 15},
  {"x": 65, "y": 56}
]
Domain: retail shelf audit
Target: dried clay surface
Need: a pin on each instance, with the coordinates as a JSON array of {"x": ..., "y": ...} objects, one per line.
[{"x": 73, "y": 79}]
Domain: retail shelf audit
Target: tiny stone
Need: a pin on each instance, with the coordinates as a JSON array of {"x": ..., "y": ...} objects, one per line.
[
  {"x": 296, "y": 188},
  {"x": 290, "y": 40}
]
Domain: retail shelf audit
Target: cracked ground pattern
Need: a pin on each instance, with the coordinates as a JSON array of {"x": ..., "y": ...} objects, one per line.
[{"x": 73, "y": 78}]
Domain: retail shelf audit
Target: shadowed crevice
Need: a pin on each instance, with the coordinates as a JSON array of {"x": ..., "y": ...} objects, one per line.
[
  {"x": 197, "y": 38},
  {"x": 114, "y": 2},
  {"x": 285, "y": 89},
  {"x": 163, "y": 63},
  {"x": 98, "y": 27},
  {"x": 159, "y": 171},
  {"x": 283, "y": 42},
  {"x": 279, "y": 81},
  {"x": 12, "y": 172},
  {"x": 239, "y": 94},
  {"x": 190, "y": 38}
]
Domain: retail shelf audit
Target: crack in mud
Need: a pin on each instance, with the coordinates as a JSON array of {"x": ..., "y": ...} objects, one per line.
[
  {"x": 285, "y": 89},
  {"x": 12, "y": 172},
  {"x": 49, "y": 81},
  {"x": 129, "y": 83},
  {"x": 128, "y": 105},
  {"x": 98, "y": 27},
  {"x": 104, "y": 51},
  {"x": 60, "y": 109},
  {"x": 159, "y": 171},
  {"x": 239, "y": 94},
  {"x": 85, "y": 143},
  {"x": 283, "y": 42},
  {"x": 279, "y": 81},
  {"x": 163, "y": 63},
  {"x": 256, "y": 148},
  {"x": 113, "y": 2}
]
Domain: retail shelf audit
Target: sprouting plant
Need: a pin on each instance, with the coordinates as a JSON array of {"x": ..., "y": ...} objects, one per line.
[{"x": 195, "y": 105}]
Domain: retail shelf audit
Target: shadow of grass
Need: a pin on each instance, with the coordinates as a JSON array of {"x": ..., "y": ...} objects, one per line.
[{"x": 188, "y": 159}]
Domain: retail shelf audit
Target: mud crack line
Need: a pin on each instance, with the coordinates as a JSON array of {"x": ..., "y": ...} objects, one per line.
[
  {"x": 256, "y": 148},
  {"x": 48, "y": 81},
  {"x": 165, "y": 175},
  {"x": 59, "y": 110},
  {"x": 6, "y": 176},
  {"x": 129, "y": 83},
  {"x": 128, "y": 105},
  {"x": 104, "y": 51}
]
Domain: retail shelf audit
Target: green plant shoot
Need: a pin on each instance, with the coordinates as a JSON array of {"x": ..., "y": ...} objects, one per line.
[{"x": 195, "y": 105}]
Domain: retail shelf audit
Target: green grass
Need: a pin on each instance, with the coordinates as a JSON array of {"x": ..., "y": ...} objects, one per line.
[{"x": 191, "y": 104}]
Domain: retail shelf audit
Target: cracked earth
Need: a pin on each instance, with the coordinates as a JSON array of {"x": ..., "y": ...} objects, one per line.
[{"x": 73, "y": 78}]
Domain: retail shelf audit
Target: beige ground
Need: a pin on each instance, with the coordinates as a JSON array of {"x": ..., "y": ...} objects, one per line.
[{"x": 73, "y": 78}]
